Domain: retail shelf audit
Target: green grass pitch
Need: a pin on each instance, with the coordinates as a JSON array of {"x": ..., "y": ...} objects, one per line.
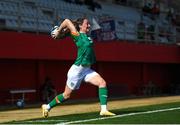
[{"x": 154, "y": 114}]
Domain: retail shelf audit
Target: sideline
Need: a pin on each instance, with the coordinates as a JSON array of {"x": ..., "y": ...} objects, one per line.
[
  {"x": 33, "y": 113},
  {"x": 118, "y": 116}
]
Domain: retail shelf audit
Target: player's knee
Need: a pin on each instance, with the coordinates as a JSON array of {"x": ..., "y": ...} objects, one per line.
[
  {"x": 67, "y": 95},
  {"x": 102, "y": 83}
]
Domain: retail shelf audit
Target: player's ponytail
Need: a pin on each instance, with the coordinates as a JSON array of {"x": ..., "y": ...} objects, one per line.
[{"x": 77, "y": 23}]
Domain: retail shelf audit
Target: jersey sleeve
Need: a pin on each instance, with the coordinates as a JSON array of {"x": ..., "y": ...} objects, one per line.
[{"x": 75, "y": 35}]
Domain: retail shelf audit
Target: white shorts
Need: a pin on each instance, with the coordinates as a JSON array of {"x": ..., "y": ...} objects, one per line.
[{"x": 77, "y": 74}]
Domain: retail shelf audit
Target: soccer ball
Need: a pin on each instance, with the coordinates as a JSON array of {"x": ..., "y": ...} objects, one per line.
[
  {"x": 20, "y": 103},
  {"x": 54, "y": 32}
]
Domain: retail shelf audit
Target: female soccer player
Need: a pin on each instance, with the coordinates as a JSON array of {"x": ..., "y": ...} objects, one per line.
[{"x": 81, "y": 69}]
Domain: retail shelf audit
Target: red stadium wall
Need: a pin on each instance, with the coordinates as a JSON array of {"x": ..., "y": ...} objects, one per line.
[
  {"x": 29, "y": 46},
  {"x": 130, "y": 78},
  {"x": 26, "y": 59}
]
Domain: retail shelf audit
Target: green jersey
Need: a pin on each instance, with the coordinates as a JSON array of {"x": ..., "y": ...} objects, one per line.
[{"x": 85, "y": 55}]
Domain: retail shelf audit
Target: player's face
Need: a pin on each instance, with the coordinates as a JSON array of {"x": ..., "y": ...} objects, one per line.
[{"x": 85, "y": 27}]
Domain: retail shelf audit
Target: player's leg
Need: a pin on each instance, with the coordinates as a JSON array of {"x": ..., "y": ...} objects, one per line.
[
  {"x": 57, "y": 100},
  {"x": 61, "y": 97},
  {"x": 73, "y": 82},
  {"x": 95, "y": 79}
]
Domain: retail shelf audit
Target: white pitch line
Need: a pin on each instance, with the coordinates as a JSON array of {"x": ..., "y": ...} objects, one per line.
[
  {"x": 117, "y": 116},
  {"x": 46, "y": 120}
]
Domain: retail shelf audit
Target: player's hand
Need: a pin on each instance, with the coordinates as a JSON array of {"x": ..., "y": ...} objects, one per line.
[{"x": 56, "y": 34}]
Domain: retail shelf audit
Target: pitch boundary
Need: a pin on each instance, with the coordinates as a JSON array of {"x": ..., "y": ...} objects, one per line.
[{"x": 118, "y": 116}]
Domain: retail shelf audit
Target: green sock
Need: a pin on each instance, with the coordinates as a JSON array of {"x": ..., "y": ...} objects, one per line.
[
  {"x": 103, "y": 96},
  {"x": 58, "y": 99}
]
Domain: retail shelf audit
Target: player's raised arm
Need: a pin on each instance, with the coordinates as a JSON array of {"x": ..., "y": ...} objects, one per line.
[
  {"x": 67, "y": 24},
  {"x": 66, "y": 27}
]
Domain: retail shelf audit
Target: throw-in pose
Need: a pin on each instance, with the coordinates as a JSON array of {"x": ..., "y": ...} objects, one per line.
[{"x": 81, "y": 69}]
